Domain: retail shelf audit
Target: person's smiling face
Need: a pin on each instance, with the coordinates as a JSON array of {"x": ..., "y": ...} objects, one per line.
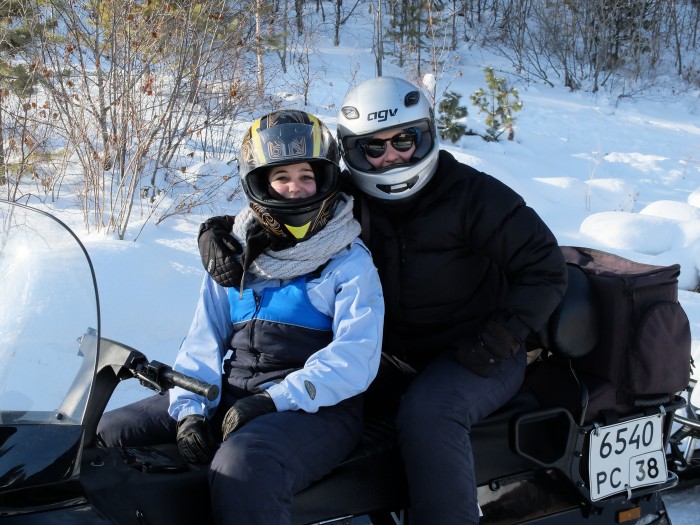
[{"x": 293, "y": 181}]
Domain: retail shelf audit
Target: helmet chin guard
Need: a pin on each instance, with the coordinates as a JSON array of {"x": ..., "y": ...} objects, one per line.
[
  {"x": 382, "y": 104},
  {"x": 282, "y": 138},
  {"x": 295, "y": 225}
]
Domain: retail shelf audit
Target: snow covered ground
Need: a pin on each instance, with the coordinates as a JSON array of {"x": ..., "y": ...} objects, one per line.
[
  {"x": 621, "y": 177},
  {"x": 619, "y": 174}
]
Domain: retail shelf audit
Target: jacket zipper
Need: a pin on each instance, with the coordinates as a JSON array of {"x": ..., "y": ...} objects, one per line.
[{"x": 253, "y": 321}]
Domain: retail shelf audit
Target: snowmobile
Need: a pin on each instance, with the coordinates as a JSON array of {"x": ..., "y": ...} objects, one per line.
[{"x": 536, "y": 463}]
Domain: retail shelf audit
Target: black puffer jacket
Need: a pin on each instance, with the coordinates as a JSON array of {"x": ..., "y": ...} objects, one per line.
[{"x": 465, "y": 252}]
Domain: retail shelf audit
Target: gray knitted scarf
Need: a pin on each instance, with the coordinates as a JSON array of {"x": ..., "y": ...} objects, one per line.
[{"x": 306, "y": 256}]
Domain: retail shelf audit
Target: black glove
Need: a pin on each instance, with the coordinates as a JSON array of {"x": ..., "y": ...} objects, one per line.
[
  {"x": 194, "y": 440},
  {"x": 245, "y": 410},
  {"x": 218, "y": 250},
  {"x": 491, "y": 348}
]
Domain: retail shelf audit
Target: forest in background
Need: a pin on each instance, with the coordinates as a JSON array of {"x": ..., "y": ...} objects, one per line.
[{"x": 106, "y": 97}]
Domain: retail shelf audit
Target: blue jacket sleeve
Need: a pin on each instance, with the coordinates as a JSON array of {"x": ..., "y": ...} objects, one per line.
[
  {"x": 349, "y": 291},
  {"x": 202, "y": 350}
]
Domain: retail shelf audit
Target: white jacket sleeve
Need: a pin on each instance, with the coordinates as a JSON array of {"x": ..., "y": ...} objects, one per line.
[
  {"x": 349, "y": 291},
  {"x": 201, "y": 352}
]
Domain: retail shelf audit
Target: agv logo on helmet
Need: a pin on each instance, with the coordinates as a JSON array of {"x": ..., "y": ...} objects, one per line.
[
  {"x": 383, "y": 114},
  {"x": 351, "y": 113}
]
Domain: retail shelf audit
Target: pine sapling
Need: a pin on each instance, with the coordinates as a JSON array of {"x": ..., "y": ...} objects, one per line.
[
  {"x": 499, "y": 103},
  {"x": 450, "y": 113}
]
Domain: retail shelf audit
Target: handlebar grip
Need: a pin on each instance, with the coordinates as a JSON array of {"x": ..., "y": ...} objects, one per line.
[{"x": 211, "y": 392}]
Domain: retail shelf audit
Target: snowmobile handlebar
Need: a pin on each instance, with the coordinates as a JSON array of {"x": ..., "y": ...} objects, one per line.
[
  {"x": 161, "y": 377},
  {"x": 211, "y": 392}
]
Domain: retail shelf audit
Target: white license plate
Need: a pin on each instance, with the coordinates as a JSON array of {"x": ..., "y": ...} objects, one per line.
[{"x": 625, "y": 456}]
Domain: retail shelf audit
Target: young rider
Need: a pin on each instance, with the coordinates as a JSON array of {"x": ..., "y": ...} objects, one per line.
[{"x": 289, "y": 323}]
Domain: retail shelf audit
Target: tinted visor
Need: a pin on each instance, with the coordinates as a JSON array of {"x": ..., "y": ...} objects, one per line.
[
  {"x": 356, "y": 158},
  {"x": 402, "y": 141}
]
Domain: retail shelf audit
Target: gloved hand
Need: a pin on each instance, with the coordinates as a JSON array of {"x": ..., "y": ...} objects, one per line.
[
  {"x": 194, "y": 441},
  {"x": 218, "y": 250},
  {"x": 246, "y": 409},
  {"x": 492, "y": 347}
]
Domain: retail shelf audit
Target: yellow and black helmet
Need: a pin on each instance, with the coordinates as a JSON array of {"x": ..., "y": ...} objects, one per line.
[{"x": 289, "y": 137}]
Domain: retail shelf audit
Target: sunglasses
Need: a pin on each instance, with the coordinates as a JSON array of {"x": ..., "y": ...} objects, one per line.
[{"x": 402, "y": 142}]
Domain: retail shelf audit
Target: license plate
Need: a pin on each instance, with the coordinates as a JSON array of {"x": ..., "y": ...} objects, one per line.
[{"x": 625, "y": 456}]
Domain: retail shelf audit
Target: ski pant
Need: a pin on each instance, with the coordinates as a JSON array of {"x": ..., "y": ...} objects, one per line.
[
  {"x": 258, "y": 469},
  {"x": 434, "y": 420}
]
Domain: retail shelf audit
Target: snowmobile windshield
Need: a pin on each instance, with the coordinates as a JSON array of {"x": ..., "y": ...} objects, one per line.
[{"x": 49, "y": 319}]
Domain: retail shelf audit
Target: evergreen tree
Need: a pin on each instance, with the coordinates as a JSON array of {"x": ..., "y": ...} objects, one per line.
[
  {"x": 415, "y": 31},
  {"x": 21, "y": 27},
  {"x": 499, "y": 103},
  {"x": 450, "y": 113}
]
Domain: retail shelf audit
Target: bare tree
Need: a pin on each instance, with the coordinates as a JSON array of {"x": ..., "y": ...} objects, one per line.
[
  {"x": 338, "y": 19},
  {"x": 301, "y": 49},
  {"x": 129, "y": 83},
  {"x": 379, "y": 38},
  {"x": 299, "y": 7}
]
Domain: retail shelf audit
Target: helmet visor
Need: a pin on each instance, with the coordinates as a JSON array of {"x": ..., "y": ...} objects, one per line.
[
  {"x": 283, "y": 144},
  {"x": 402, "y": 141},
  {"x": 358, "y": 147}
]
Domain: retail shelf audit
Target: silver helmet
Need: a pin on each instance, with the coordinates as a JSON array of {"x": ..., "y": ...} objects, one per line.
[{"x": 382, "y": 104}]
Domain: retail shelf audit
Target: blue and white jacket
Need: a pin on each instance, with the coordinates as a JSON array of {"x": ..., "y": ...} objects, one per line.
[{"x": 309, "y": 342}]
